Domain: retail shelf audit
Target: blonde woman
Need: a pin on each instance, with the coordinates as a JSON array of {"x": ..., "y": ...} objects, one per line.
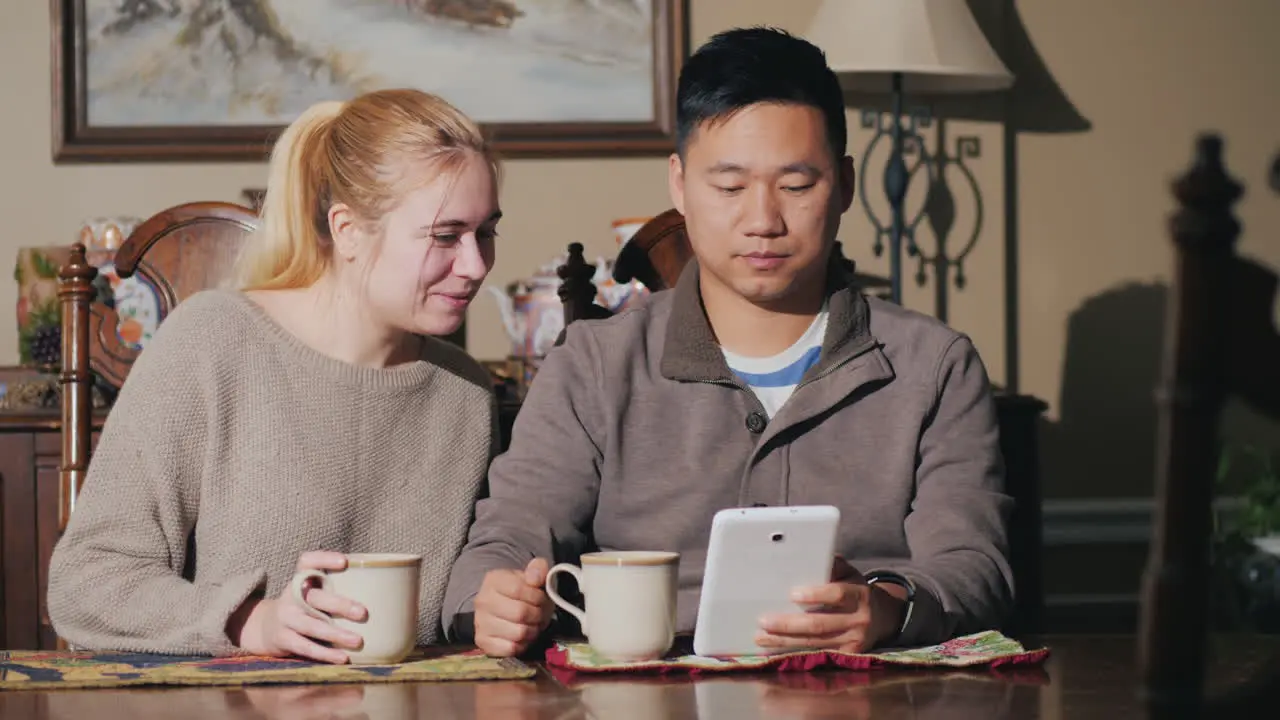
[{"x": 306, "y": 414}]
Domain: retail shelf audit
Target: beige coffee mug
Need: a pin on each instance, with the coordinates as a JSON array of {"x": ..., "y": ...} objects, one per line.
[
  {"x": 631, "y": 602},
  {"x": 386, "y": 584}
]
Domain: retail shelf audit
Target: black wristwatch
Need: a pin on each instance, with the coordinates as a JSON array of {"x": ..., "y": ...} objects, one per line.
[{"x": 903, "y": 582}]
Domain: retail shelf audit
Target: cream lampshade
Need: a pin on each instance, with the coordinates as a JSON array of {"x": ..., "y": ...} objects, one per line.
[
  {"x": 935, "y": 45},
  {"x": 903, "y": 47}
]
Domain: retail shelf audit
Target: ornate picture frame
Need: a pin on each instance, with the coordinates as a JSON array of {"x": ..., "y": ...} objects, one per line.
[{"x": 217, "y": 80}]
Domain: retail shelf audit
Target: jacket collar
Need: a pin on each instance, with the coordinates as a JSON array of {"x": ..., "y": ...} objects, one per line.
[{"x": 691, "y": 352}]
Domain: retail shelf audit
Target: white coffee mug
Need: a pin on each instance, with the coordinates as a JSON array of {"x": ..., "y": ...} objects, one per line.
[
  {"x": 386, "y": 584},
  {"x": 630, "y": 599}
]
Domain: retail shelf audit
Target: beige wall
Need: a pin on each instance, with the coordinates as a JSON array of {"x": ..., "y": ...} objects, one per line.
[{"x": 1146, "y": 76}]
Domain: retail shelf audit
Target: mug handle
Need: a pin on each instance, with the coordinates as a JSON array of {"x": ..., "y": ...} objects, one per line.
[
  {"x": 568, "y": 607},
  {"x": 298, "y": 585}
]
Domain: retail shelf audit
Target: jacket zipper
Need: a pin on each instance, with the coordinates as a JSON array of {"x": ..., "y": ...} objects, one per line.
[{"x": 837, "y": 366}]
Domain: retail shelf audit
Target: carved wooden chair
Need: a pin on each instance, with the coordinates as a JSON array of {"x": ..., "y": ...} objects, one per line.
[
  {"x": 174, "y": 254},
  {"x": 656, "y": 255},
  {"x": 1222, "y": 342}
]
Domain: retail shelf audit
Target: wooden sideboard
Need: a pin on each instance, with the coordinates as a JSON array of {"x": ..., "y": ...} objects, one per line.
[{"x": 30, "y": 452}]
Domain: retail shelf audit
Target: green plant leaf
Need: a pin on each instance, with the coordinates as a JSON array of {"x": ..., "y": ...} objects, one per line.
[
  {"x": 1225, "y": 461},
  {"x": 45, "y": 267},
  {"x": 17, "y": 273},
  {"x": 47, "y": 313},
  {"x": 1251, "y": 471}
]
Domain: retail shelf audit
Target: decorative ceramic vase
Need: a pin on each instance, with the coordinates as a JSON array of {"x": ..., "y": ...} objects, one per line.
[
  {"x": 39, "y": 314},
  {"x": 107, "y": 233},
  {"x": 624, "y": 228}
]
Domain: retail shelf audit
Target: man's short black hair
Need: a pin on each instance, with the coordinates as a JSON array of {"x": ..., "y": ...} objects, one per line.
[{"x": 744, "y": 66}]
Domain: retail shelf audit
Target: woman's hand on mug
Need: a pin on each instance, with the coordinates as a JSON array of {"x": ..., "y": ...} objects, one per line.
[
  {"x": 512, "y": 609},
  {"x": 279, "y": 626}
]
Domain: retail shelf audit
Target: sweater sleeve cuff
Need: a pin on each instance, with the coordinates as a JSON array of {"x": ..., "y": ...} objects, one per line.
[
  {"x": 467, "y": 576},
  {"x": 927, "y": 624},
  {"x": 460, "y": 625},
  {"x": 221, "y": 601}
]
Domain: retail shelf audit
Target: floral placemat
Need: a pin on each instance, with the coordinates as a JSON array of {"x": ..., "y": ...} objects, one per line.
[
  {"x": 43, "y": 670},
  {"x": 990, "y": 649}
]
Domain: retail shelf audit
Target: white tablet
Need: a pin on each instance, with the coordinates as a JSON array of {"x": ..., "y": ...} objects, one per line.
[{"x": 755, "y": 558}]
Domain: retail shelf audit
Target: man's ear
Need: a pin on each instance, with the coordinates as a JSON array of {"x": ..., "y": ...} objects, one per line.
[
  {"x": 675, "y": 181},
  {"x": 345, "y": 232},
  {"x": 847, "y": 183}
]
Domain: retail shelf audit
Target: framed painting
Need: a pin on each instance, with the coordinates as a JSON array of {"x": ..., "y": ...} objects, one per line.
[{"x": 153, "y": 80}]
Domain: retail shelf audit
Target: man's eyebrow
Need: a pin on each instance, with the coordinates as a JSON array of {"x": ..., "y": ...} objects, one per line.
[
  {"x": 803, "y": 168},
  {"x": 456, "y": 223},
  {"x": 726, "y": 167}
]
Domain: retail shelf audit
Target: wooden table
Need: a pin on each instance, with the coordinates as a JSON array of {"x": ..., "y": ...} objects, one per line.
[{"x": 1086, "y": 677}]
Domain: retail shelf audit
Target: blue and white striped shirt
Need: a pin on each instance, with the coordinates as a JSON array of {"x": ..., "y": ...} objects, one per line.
[{"x": 773, "y": 379}]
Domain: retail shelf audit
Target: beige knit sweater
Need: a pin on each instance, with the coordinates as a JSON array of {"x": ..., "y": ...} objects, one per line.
[{"x": 233, "y": 448}]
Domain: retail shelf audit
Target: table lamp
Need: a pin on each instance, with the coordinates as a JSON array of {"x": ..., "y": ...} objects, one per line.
[{"x": 898, "y": 46}]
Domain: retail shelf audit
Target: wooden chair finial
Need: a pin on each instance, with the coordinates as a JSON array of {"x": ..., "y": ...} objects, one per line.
[
  {"x": 576, "y": 289},
  {"x": 77, "y": 266},
  {"x": 1206, "y": 194}
]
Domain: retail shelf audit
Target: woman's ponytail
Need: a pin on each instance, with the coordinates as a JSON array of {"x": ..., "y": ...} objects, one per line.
[{"x": 291, "y": 247}]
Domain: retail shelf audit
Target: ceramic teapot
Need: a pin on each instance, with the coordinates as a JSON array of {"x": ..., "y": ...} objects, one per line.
[{"x": 533, "y": 314}]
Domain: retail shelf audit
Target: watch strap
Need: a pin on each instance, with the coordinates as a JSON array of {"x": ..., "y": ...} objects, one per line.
[{"x": 903, "y": 582}]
